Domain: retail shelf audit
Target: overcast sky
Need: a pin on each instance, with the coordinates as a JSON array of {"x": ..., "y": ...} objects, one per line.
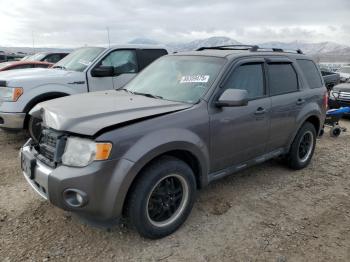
[{"x": 71, "y": 23}]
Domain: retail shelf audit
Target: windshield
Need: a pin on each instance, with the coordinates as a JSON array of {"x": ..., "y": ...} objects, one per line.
[
  {"x": 344, "y": 70},
  {"x": 80, "y": 59},
  {"x": 178, "y": 78},
  {"x": 35, "y": 57}
]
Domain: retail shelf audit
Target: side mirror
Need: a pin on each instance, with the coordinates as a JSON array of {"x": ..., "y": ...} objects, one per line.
[
  {"x": 233, "y": 97},
  {"x": 102, "y": 71}
]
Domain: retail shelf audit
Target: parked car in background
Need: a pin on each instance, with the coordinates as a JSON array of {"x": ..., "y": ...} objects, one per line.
[
  {"x": 4, "y": 56},
  {"x": 23, "y": 65},
  {"x": 84, "y": 70},
  {"x": 340, "y": 96},
  {"x": 330, "y": 78},
  {"x": 46, "y": 57},
  {"x": 344, "y": 73},
  {"x": 185, "y": 121}
]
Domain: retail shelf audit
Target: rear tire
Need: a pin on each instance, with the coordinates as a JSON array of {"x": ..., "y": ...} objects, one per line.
[
  {"x": 303, "y": 147},
  {"x": 34, "y": 128},
  {"x": 162, "y": 198}
]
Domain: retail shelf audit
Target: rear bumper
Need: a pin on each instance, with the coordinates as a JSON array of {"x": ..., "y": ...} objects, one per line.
[{"x": 12, "y": 120}]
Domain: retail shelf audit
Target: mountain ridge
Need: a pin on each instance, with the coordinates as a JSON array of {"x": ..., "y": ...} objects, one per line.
[
  {"x": 326, "y": 51},
  {"x": 320, "y": 51}
]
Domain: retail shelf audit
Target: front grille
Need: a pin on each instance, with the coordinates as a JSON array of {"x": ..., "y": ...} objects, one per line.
[
  {"x": 50, "y": 147},
  {"x": 344, "y": 95}
]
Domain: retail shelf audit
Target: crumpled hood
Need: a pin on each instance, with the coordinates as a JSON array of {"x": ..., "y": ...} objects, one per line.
[
  {"x": 87, "y": 114},
  {"x": 38, "y": 75}
]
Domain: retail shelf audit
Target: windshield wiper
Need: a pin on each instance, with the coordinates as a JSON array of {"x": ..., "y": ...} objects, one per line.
[
  {"x": 140, "y": 94},
  {"x": 126, "y": 90},
  {"x": 148, "y": 95},
  {"x": 59, "y": 67}
]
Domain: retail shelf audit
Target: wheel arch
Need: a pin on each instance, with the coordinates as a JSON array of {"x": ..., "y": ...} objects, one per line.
[
  {"x": 313, "y": 118},
  {"x": 315, "y": 121},
  {"x": 191, "y": 158}
]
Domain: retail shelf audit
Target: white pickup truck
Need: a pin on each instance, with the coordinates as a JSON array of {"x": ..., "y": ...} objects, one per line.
[{"x": 87, "y": 69}]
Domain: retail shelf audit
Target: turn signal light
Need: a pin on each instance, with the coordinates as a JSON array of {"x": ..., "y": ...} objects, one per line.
[
  {"x": 103, "y": 151},
  {"x": 17, "y": 92}
]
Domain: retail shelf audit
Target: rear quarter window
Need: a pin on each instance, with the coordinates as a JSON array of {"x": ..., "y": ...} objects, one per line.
[
  {"x": 282, "y": 78},
  {"x": 311, "y": 73}
]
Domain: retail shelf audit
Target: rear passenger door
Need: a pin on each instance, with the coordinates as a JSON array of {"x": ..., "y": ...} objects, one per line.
[
  {"x": 240, "y": 133},
  {"x": 286, "y": 101}
]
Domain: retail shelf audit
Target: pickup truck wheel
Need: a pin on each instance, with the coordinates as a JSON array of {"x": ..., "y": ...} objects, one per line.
[
  {"x": 163, "y": 198},
  {"x": 34, "y": 128},
  {"x": 303, "y": 147}
]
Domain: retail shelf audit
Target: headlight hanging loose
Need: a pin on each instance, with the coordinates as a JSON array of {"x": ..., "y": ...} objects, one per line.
[{"x": 80, "y": 152}]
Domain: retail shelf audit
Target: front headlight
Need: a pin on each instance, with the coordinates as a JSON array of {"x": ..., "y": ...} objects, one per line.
[
  {"x": 334, "y": 95},
  {"x": 10, "y": 94},
  {"x": 80, "y": 152}
]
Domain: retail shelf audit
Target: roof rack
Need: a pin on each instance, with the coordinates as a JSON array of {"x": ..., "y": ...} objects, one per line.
[
  {"x": 280, "y": 50},
  {"x": 251, "y": 48},
  {"x": 229, "y": 47}
]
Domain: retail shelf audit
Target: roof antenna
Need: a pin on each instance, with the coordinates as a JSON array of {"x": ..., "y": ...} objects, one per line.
[
  {"x": 109, "y": 40},
  {"x": 33, "y": 42}
]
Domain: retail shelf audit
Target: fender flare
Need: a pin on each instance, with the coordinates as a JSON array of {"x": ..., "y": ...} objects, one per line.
[
  {"x": 301, "y": 121},
  {"x": 147, "y": 149}
]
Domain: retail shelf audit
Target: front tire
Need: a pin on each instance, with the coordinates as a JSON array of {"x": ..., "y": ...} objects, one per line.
[
  {"x": 303, "y": 147},
  {"x": 162, "y": 198}
]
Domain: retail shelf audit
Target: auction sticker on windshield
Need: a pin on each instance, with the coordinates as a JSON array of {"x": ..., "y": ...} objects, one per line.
[{"x": 194, "y": 79}]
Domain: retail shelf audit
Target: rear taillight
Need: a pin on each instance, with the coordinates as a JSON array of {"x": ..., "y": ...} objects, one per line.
[{"x": 325, "y": 100}]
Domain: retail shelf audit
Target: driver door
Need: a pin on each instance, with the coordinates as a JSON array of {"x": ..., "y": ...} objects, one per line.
[
  {"x": 124, "y": 63},
  {"x": 239, "y": 134}
]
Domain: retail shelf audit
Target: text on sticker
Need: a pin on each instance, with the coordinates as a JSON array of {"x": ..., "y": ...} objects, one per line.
[{"x": 195, "y": 79}]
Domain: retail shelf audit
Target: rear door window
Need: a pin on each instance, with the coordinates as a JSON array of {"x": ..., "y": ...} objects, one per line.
[
  {"x": 282, "y": 78},
  {"x": 311, "y": 73},
  {"x": 147, "y": 56}
]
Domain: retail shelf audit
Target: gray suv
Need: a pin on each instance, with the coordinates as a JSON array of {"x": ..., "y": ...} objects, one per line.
[{"x": 188, "y": 119}]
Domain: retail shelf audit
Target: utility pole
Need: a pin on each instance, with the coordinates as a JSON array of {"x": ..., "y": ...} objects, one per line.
[
  {"x": 109, "y": 40},
  {"x": 33, "y": 41}
]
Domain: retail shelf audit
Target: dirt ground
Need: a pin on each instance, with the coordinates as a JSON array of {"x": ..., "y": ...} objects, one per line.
[{"x": 266, "y": 213}]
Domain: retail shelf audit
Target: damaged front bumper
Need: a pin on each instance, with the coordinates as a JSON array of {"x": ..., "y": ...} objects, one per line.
[{"x": 96, "y": 191}]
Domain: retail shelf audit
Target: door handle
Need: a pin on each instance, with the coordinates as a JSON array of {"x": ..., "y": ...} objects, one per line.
[
  {"x": 260, "y": 111},
  {"x": 300, "y": 101}
]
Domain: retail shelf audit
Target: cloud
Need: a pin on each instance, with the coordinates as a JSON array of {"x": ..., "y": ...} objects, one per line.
[{"x": 80, "y": 22}]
